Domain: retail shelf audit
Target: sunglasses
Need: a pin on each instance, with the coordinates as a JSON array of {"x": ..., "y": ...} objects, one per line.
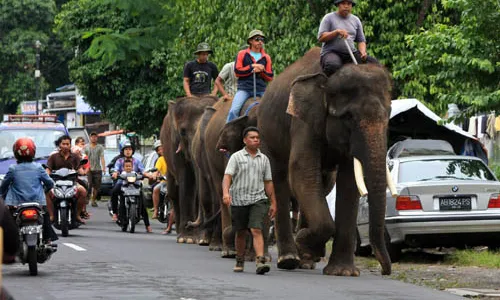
[{"x": 259, "y": 39}]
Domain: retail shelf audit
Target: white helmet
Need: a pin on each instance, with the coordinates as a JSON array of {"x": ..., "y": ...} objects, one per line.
[{"x": 156, "y": 144}]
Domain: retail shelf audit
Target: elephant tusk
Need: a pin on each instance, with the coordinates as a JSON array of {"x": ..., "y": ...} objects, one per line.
[
  {"x": 358, "y": 175},
  {"x": 390, "y": 183},
  {"x": 179, "y": 148}
]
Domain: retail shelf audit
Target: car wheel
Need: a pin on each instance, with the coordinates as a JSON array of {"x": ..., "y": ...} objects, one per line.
[
  {"x": 361, "y": 251},
  {"x": 393, "y": 249}
]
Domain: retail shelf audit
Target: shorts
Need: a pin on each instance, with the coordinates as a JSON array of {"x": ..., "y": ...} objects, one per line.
[
  {"x": 249, "y": 216},
  {"x": 95, "y": 178}
]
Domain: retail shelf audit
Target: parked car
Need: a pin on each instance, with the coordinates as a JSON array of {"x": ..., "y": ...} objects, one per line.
[
  {"x": 75, "y": 132},
  {"x": 443, "y": 200},
  {"x": 43, "y": 129}
]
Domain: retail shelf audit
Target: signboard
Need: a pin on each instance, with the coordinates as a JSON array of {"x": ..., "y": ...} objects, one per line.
[{"x": 29, "y": 107}]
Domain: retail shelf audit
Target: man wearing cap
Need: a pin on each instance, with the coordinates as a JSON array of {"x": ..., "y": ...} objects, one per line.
[
  {"x": 95, "y": 153},
  {"x": 199, "y": 73},
  {"x": 335, "y": 27},
  {"x": 249, "y": 61}
]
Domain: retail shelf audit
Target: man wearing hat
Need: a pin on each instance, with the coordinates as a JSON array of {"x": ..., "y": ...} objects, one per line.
[
  {"x": 199, "y": 73},
  {"x": 335, "y": 27},
  {"x": 249, "y": 61}
]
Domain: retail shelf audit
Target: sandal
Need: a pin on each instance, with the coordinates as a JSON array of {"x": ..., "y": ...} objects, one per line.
[
  {"x": 167, "y": 231},
  {"x": 149, "y": 229}
]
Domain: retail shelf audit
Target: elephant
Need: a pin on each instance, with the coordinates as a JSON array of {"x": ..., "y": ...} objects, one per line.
[
  {"x": 313, "y": 127},
  {"x": 177, "y": 132},
  {"x": 208, "y": 218},
  {"x": 217, "y": 162}
]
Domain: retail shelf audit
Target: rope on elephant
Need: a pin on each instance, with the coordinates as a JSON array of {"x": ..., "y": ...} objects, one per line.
[{"x": 250, "y": 108}]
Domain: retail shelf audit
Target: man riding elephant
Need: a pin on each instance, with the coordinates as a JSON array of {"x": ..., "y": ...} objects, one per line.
[
  {"x": 335, "y": 27},
  {"x": 251, "y": 61},
  {"x": 199, "y": 73}
]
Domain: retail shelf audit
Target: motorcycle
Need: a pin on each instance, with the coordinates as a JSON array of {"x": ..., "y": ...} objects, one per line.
[
  {"x": 29, "y": 218},
  {"x": 65, "y": 199},
  {"x": 132, "y": 200},
  {"x": 164, "y": 206}
]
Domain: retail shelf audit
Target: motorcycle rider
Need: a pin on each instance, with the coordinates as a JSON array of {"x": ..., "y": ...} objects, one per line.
[
  {"x": 128, "y": 167},
  {"x": 127, "y": 151},
  {"x": 26, "y": 181},
  {"x": 64, "y": 158}
]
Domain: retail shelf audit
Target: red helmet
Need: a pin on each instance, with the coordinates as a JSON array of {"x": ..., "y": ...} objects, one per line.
[{"x": 24, "y": 148}]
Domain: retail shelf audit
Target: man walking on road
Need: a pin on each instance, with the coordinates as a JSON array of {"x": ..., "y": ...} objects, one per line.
[
  {"x": 247, "y": 181},
  {"x": 95, "y": 152},
  {"x": 199, "y": 73}
]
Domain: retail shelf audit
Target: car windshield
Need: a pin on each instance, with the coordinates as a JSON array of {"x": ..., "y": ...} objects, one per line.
[
  {"x": 443, "y": 169},
  {"x": 43, "y": 138}
]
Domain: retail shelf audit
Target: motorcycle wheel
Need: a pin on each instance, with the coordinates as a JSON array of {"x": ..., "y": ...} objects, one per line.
[
  {"x": 64, "y": 221},
  {"x": 163, "y": 213},
  {"x": 32, "y": 261},
  {"x": 132, "y": 215}
]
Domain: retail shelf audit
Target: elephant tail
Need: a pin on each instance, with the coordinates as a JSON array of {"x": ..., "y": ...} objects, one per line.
[{"x": 211, "y": 220}]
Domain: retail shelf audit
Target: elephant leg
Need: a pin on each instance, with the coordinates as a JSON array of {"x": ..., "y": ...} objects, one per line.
[
  {"x": 288, "y": 258},
  {"x": 173, "y": 195},
  {"x": 341, "y": 262},
  {"x": 228, "y": 235},
  {"x": 307, "y": 184},
  {"x": 187, "y": 199},
  {"x": 205, "y": 208}
]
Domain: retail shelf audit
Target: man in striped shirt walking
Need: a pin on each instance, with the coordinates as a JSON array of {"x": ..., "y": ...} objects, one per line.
[{"x": 246, "y": 187}]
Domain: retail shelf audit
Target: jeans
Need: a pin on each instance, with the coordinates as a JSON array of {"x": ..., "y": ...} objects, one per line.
[
  {"x": 115, "y": 193},
  {"x": 239, "y": 100},
  {"x": 332, "y": 61}
]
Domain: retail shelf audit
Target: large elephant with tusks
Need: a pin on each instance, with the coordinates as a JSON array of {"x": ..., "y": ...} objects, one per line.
[{"x": 311, "y": 127}]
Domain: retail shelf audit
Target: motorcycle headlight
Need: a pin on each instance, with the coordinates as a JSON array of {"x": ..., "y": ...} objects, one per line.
[
  {"x": 131, "y": 179},
  {"x": 58, "y": 193},
  {"x": 70, "y": 193}
]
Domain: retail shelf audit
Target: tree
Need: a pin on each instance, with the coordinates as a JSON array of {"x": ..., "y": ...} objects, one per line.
[
  {"x": 456, "y": 60},
  {"x": 130, "y": 91}
]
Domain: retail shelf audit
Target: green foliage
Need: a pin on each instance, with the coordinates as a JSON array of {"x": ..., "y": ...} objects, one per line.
[
  {"x": 440, "y": 51},
  {"x": 457, "y": 60},
  {"x": 473, "y": 258},
  {"x": 124, "y": 84}
]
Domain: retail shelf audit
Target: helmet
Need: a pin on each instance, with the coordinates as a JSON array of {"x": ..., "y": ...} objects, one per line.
[
  {"x": 337, "y": 2},
  {"x": 254, "y": 33},
  {"x": 203, "y": 47},
  {"x": 127, "y": 144},
  {"x": 156, "y": 145},
  {"x": 24, "y": 148}
]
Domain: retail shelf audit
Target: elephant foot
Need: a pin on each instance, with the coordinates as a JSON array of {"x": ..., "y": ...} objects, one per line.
[
  {"x": 214, "y": 247},
  {"x": 341, "y": 270},
  {"x": 288, "y": 262},
  {"x": 307, "y": 262},
  {"x": 228, "y": 254},
  {"x": 203, "y": 242},
  {"x": 190, "y": 240},
  {"x": 181, "y": 240}
]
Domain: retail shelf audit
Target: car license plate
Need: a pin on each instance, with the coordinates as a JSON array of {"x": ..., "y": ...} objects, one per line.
[{"x": 455, "y": 203}]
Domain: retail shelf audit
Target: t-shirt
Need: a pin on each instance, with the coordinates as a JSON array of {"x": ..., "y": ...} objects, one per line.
[
  {"x": 94, "y": 154},
  {"x": 256, "y": 55},
  {"x": 161, "y": 165},
  {"x": 57, "y": 161},
  {"x": 351, "y": 24},
  {"x": 248, "y": 176},
  {"x": 200, "y": 76},
  {"x": 230, "y": 79}
]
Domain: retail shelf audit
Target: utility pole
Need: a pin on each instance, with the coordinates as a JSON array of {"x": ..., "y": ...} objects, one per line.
[{"x": 37, "y": 73}]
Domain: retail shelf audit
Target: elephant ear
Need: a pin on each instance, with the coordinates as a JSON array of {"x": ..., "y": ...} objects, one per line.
[{"x": 307, "y": 99}]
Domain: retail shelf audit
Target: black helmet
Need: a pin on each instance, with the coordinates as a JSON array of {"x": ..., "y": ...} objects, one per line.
[
  {"x": 337, "y": 2},
  {"x": 127, "y": 144}
]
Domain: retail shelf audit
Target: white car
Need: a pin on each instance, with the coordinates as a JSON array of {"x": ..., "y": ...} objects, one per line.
[{"x": 444, "y": 200}]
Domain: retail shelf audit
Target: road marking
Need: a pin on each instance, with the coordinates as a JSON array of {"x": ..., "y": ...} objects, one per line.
[{"x": 74, "y": 247}]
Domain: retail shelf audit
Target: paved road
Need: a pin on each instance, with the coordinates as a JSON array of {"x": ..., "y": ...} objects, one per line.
[{"x": 101, "y": 262}]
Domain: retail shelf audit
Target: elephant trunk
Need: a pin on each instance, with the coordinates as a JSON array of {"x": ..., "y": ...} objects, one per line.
[{"x": 373, "y": 160}]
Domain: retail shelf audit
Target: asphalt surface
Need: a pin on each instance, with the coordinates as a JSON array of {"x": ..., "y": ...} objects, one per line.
[{"x": 98, "y": 261}]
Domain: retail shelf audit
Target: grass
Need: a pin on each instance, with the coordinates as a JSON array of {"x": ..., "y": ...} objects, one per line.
[{"x": 486, "y": 259}]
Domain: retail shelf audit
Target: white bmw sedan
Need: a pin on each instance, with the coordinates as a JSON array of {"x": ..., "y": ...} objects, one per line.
[{"x": 443, "y": 201}]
